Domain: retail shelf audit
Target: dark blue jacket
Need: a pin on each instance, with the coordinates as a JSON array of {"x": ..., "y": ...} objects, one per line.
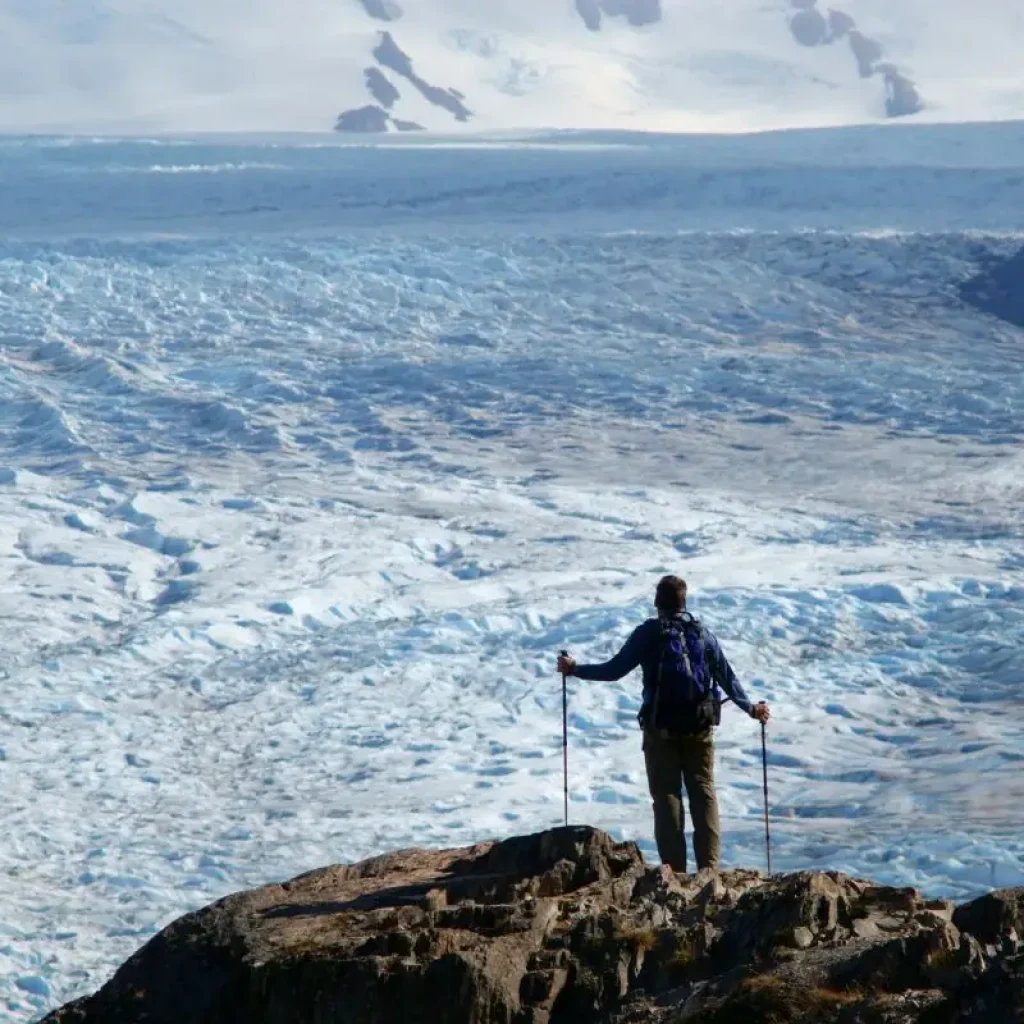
[{"x": 643, "y": 649}]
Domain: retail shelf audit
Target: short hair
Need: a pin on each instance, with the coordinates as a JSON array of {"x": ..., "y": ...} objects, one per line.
[{"x": 670, "y": 596}]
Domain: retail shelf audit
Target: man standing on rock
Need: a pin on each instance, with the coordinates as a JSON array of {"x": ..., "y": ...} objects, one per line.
[{"x": 683, "y": 669}]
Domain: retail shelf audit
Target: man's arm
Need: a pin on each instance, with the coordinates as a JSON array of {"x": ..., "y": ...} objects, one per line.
[
  {"x": 622, "y": 664},
  {"x": 723, "y": 674}
]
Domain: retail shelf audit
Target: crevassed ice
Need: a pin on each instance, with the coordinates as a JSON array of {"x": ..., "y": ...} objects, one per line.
[{"x": 292, "y": 527}]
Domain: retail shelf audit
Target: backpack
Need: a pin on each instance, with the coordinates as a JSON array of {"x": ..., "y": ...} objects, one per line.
[{"x": 686, "y": 699}]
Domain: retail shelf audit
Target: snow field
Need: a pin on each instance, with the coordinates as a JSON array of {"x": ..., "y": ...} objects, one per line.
[{"x": 216, "y": 65}]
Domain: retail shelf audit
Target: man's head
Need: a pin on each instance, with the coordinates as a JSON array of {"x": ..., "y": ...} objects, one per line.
[{"x": 670, "y": 597}]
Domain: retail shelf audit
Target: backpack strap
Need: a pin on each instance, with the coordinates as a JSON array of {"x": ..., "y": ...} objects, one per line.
[
  {"x": 656, "y": 699},
  {"x": 666, "y": 625}
]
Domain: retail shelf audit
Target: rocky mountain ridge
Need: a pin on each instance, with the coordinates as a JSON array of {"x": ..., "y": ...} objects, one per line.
[
  {"x": 809, "y": 27},
  {"x": 570, "y": 926}
]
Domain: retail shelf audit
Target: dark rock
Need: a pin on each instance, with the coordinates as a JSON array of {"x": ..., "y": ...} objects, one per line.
[
  {"x": 590, "y": 12},
  {"x": 812, "y": 28},
  {"x": 406, "y": 126},
  {"x": 562, "y": 927},
  {"x": 894, "y": 965},
  {"x": 840, "y": 24},
  {"x": 901, "y": 96},
  {"x": 363, "y": 120},
  {"x": 382, "y": 10},
  {"x": 867, "y": 52},
  {"x": 990, "y": 918},
  {"x": 390, "y": 55},
  {"x": 970, "y": 956},
  {"x": 381, "y": 88},
  {"x": 637, "y": 12},
  {"x": 809, "y": 28}
]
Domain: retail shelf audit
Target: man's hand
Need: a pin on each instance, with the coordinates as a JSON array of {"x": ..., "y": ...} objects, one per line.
[
  {"x": 566, "y": 665},
  {"x": 760, "y": 712}
]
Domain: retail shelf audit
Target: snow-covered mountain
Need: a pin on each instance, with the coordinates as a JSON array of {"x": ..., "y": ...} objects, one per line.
[{"x": 491, "y": 65}]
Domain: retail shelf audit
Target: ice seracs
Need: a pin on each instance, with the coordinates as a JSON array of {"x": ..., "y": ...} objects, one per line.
[{"x": 999, "y": 289}]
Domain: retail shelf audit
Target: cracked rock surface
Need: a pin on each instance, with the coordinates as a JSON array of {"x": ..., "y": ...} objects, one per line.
[{"x": 570, "y": 926}]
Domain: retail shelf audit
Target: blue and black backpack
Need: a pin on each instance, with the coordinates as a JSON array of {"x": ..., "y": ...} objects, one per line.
[{"x": 686, "y": 698}]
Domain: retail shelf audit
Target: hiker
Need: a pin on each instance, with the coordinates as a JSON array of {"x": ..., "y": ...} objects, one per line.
[{"x": 683, "y": 668}]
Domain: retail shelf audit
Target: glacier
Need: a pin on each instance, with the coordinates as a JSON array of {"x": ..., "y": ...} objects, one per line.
[{"x": 313, "y": 453}]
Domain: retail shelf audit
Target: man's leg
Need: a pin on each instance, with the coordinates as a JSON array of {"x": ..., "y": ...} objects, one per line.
[
  {"x": 698, "y": 764},
  {"x": 664, "y": 779}
]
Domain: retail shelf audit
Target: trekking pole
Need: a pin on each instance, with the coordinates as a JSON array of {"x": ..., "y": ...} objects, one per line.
[
  {"x": 764, "y": 764},
  {"x": 565, "y": 741}
]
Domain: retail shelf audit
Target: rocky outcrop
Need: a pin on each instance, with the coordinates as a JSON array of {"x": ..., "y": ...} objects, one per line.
[
  {"x": 390, "y": 55},
  {"x": 376, "y": 117},
  {"x": 901, "y": 96},
  {"x": 636, "y": 12},
  {"x": 999, "y": 289},
  {"x": 368, "y": 120},
  {"x": 590, "y": 12},
  {"x": 810, "y": 27},
  {"x": 381, "y": 88},
  {"x": 372, "y": 120},
  {"x": 866, "y": 52},
  {"x": 993, "y": 917},
  {"x": 382, "y": 10},
  {"x": 569, "y": 927},
  {"x": 839, "y": 24}
]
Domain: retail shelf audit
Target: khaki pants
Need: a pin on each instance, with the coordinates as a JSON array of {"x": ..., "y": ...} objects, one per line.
[{"x": 673, "y": 762}]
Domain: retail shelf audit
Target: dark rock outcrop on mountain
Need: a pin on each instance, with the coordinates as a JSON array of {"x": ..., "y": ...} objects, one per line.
[
  {"x": 866, "y": 51},
  {"x": 901, "y": 96},
  {"x": 372, "y": 120},
  {"x": 809, "y": 27},
  {"x": 381, "y": 88},
  {"x": 812, "y": 28},
  {"x": 569, "y": 927},
  {"x": 368, "y": 120},
  {"x": 390, "y": 55},
  {"x": 839, "y": 24},
  {"x": 382, "y": 10},
  {"x": 993, "y": 916},
  {"x": 590, "y": 12},
  {"x": 999, "y": 290},
  {"x": 637, "y": 12}
]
